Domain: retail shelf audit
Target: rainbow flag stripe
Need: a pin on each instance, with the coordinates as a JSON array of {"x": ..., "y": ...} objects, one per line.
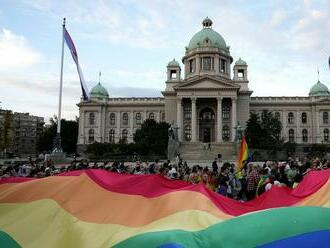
[{"x": 96, "y": 208}]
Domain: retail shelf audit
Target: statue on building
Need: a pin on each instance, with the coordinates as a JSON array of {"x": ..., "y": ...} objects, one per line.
[{"x": 173, "y": 142}]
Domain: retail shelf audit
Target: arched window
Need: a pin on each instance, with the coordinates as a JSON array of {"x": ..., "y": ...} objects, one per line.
[
  {"x": 304, "y": 118},
  {"x": 225, "y": 112},
  {"x": 277, "y": 115},
  {"x": 187, "y": 132},
  {"x": 187, "y": 113},
  {"x": 325, "y": 117},
  {"x": 112, "y": 119},
  {"x": 125, "y": 119},
  {"x": 124, "y": 135},
  {"x": 326, "y": 134},
  {"x": 291, "y": 135},
  {"x": 305, "y": 135},
  {"x": 151, "y": 116},
  {"x": 225, "y": 133},
  {"x": 91, "y": 119},
  {"x": 290, "y": 118},
  {"x": 112, "y": 136},
  {"x": 138, "y": 118},
  {"x": 91, "y": 138}
]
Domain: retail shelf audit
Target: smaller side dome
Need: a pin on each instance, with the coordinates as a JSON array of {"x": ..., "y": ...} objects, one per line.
[
  {"x": 173, "y": 63},
  {"x": 319, "y": 89},
  {"x": 98, "y": 91},
  {"x": 240, "y": 62}
]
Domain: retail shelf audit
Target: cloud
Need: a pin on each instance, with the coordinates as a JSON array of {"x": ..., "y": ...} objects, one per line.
[{"x": 15, "y": 51}]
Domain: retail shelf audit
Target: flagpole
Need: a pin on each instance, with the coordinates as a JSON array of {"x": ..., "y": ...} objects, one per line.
[{"x": 58, "y": 146}]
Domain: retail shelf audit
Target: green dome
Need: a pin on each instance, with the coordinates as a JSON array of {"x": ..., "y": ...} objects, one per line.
[
  {"x": 99, "y": 91},
  {"x": 173, "y": 63},
  {"x": 240, "y": 62},
  {"x": 319, "y": 89},
  {"x": 209, "y": 36}
]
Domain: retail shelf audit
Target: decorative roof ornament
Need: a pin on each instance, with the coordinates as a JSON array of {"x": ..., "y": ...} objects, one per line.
[{"x": 207, "y": 22}]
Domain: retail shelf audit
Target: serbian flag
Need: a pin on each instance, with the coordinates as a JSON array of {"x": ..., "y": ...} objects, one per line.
[
  {"x": 74, "y": 54},
  {"x": 243, "y": 154}
]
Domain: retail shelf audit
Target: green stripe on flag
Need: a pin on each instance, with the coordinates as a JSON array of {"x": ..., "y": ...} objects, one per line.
[
  {"x": 248, "y": 230},
  {"x": 7, "y": 241}
]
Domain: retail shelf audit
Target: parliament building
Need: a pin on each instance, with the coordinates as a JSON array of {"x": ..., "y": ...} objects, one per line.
[{"x": 206, "y": 99}]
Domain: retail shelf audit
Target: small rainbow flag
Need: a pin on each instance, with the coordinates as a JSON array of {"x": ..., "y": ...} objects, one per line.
[
  {"x": 96, "y": 208},
  {"x": 243, "y": 154}
]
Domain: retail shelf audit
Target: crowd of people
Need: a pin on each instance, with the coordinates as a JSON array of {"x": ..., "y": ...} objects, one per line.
[{"x": 222, "y": 177}]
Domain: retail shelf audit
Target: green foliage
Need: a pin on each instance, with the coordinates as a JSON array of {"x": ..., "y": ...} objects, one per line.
[
  {"x": 150, "y": 140},
  {"x": 264, "y": 132},
  {"x": 69, "y": 135},
  {"x": 318, "y": 150}
]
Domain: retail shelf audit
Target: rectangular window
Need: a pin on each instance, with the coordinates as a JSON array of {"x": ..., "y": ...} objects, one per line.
[
  {"x": 173, "y": 74},
  {"x": 240, "y": 74},
  {"x": 207, "y": 63},
  {"x": 222, "y": 66},
  {"x": 192, "y": 66}
]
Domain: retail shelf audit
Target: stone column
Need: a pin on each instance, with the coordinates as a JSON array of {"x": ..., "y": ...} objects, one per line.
[
  {"x": 131, "y": 125},
  {"x": 317, "y": 122},
  {"x": 118, "y": 121},
  {"x": 193, "y": 120},
  {"x": 299, "y": 132},
  {"x": 233, "y": 117},
  {"x": 219, "y": 120},
  {"x": 179, "y": 117},
  {"x": 81, "y": 126},
  {"x": 100, "y": 125},
  {"x": 284, "y": 131}
]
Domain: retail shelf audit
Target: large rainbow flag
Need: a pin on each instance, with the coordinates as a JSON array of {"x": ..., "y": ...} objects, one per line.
[{"x": 96, "y": 208}]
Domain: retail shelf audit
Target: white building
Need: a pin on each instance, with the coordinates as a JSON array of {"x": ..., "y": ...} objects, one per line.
[{"x": 206, "y": 103}]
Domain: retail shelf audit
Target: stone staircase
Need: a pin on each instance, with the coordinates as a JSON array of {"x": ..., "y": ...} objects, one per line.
[{"x": 199, "y": 152}]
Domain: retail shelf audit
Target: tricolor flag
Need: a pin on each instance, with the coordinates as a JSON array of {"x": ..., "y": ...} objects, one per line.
[
  {"x": 243, "y": 154},
  {"x": 74, "y": 54}
]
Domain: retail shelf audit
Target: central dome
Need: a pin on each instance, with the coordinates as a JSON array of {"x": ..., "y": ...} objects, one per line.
[
  {"x": 207, "y": 37},
  {"x": 319, "y": 89}
]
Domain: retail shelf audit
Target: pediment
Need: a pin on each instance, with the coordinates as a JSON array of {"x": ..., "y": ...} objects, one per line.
[{"x": 207, "y": 83}]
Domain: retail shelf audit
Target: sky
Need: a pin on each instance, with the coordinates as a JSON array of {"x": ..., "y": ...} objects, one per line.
[{"x": 131, "y": 42}]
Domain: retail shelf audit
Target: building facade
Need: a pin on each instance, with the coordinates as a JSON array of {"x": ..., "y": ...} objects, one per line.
[
  {"x": 24, "y": 133},
  {"x": 206, "y": 100}
]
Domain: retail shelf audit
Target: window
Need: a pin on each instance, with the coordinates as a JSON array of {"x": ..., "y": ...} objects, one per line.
[
  {"x": 240, "y": 74},
  {"x": 91, "y": 138},
  {"x": 325, "y": 117},
  {"x": 291, "y": 135},
  {"x": 163, "y": 116},
  {"x": 124, "y": 135},
  {"x": 304, "y": 118},
  {"x": 187, "y": 113},
  {"x": 173, "y": 74},
  {"x": 326, "y": 134},
  {"x": 187, "y": 132},
  {"x": 225, "y": 133},
  {"x": 222, "y": 66},
  {"x": 91, "y": 119},
  {"x": 207, "y": 63},
  {"x": 304, "y": 135},
  {"x": 112, "y": 136},
  {"x": 225, "y": 112},
  {"x": 192, "y": 65},
  {"x": 125, "y": 119},
  {"x": 138, "y": 118},
  {"x": 151, "y": 116},
  {"x": 112, "y": 119},
  {"x": 290, "y": 118},
  {"x": 277, "y": 115}
]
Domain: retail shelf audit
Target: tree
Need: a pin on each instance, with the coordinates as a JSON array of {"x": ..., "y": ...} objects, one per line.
[
  {"x": 69, "y": 136},
  {"x": 264, "y": 131},
  {"x": 152, "y": 137}
]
